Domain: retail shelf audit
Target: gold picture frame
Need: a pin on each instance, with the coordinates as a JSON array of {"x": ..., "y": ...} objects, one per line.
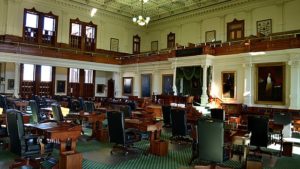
[
  {"x": 228, "y": 85},
  {"x": 270, "y": 83}
]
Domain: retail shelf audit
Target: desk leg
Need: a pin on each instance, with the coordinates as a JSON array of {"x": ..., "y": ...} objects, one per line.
[{"x": 63, "y": 145}]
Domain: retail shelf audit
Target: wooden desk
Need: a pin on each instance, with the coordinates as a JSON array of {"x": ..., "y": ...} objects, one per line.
[
  {"x": 154, "y": 127},
  {"x": 90, "y": 118},
  {"x": 155, "y": 109},
  {"x": 58, "y": 131},
  {"x": 21, "y": 105},
  {"x": 26, "y": 118}
]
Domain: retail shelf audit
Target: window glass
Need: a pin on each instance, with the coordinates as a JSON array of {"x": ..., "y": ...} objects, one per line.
[
  {"x": 49, "y": 24},
  {"x": 31, "y": 20},
  {"x": 46, "y": 73},
  {"x": 88, "y": 76},
  {"x": 74, "y": 75},
  {"x": 28, "y": 72},
  {"x": 90, "y": 32},
  {"x": 76, "y": 29}
]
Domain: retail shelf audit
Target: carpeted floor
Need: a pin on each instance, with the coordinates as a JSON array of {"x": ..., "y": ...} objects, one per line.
[{"x": 97, "y": 156}]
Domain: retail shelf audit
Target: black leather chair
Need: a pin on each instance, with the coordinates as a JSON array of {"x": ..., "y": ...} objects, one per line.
[
  {"x": 24, "y": 145},
  {"x": 218, "y": 114},
  {"x": 89, "y": 106},
  {"x": 81, "y": 103},
  {"x": 123, "y": 138},
  {"x": 126, "y": 109},
  {"x": 179, "y": 126},
  {"x": 38, "y": 116},
  {"x": 166, "y": 110},
  {"x": 57, "y": 113},
  {"x": 3, "y": 103},
  {"x": 258, "y": 126}
]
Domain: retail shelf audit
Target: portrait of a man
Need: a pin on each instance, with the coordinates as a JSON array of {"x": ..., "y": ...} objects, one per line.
[
  {"x": 228, "y": 85},
  {"x": 270, "y": 83}
]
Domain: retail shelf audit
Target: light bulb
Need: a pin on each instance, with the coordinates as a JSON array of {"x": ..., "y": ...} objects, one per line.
[{"x": 134, "y": 19}]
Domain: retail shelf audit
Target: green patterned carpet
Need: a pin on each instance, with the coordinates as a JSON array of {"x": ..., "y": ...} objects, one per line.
[{"x": 97, "y": 156}]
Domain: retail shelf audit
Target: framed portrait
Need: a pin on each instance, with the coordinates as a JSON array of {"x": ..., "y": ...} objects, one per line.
[
  {"x": 10, "y": 84},
  {"x": 167, "y": 84},
  {"x": 146, "y": 85},
  {"x": 210, "y": 36},
  {"x": 154, "y": 46},
  {"x": 100, "y": 88},
  {"x": 114, "y": 44},
  {"x": 228, "y": 85},
  {"x": 264, "y": 27},
  {"x": 270, "y": 83},
  {"x": 127, "y": 85},
  {"x": 60, "y": 86}
]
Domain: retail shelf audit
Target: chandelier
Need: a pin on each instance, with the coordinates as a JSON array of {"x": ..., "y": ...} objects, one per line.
[{"x": 141, "y": 20}]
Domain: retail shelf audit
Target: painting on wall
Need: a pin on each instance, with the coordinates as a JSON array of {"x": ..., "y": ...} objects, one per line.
[
  {"x": 154, "y": 46},
  {"x": 146, "y": 85},
  {"x": 229, "y": 85},
  {"x": 270, "y": 83},
  {"x": 114, "y": 44},
  {"x": 210, "y": 36},
  {"x": 60, "y": 86},
  {"x": 127, "y": 85},
  {"x": 100, "y": 88},
  {"x": 264, "y": 27},
  {"x": 10, "y": 84},
  {"x": 167, "y": 84}
]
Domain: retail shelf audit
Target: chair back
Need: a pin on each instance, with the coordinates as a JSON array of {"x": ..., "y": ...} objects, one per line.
[
  {"x": 218, "y": 114},
  {"x": 81, "y": 103},
  {"x": 126, "y": 109},
  {"x": 57, "y": 113},
  {"x": 259, "y": 128},
  {"x": 286, "y": 120},
  {"x": 15, "y": 128},
  {"x": 116, "y": 127},
  {"x": 166, "y": 110},
  {"x": 211, "y": 140},
  {"x": 89, "y": 106},
  {"x": 179, "y": 126},
  {"x": 35, "y": 111},
  {"x": 3, "y": 103}
]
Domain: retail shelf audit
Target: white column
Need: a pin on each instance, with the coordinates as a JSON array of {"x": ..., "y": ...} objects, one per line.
[
  {"x": 156, "y": 88},
  {"x": 204, "y": 97},
  {"x": 137, "y": 84},
  {"x": 248, "y": 79},
  {"x": 17, "y": 80},
  {"x": 117, "y": 76},
  {"x": 294, "y": 85},
  {"x": 174, "y": 81}
]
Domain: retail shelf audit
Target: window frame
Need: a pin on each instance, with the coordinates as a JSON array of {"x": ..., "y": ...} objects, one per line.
[
  {"x": 136, "y": 43},
  {"x": 171, "y": 40},
  {"x": 41, "y": 38},
  {"x": 82, "y": 39}
]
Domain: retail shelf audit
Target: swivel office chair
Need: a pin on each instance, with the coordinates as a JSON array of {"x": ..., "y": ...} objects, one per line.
[
  {"x": 123, "y": 138},
  {"x": 24, "y": 145},
  {"x": 179, "y": 126},
  {"x": 38, "y": 116},
  {"x": 166, "y": 110}
]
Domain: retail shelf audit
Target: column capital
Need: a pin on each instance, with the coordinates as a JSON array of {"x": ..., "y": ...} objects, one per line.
[
  {"x": 204, "y": 66},
  {"x": 245, "y": 65}
]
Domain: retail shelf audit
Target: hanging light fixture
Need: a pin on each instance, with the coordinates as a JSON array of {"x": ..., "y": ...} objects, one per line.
[{"x": 141, "y": 20}]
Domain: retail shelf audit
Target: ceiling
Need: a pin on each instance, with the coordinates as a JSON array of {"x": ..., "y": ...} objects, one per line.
[{"x": 156, "y": 9}]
